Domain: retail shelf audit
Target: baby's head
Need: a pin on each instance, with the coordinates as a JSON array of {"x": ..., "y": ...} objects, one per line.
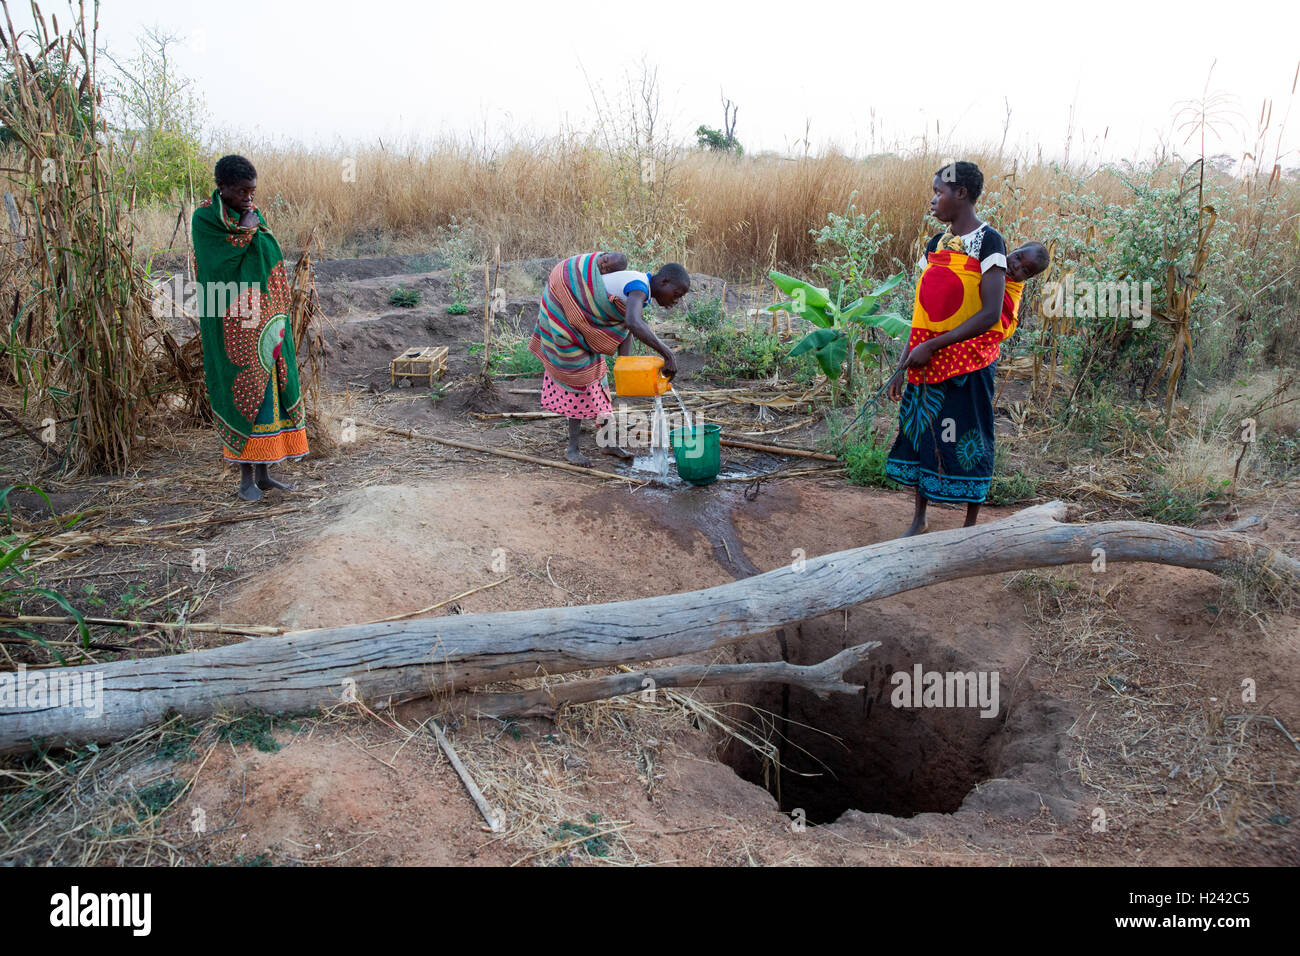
[{"x": 1027, "y": 261}]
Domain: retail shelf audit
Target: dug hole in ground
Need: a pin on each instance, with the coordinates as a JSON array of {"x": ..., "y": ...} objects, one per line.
[
  {"x": 636, "y": 780},
  {"x": 1119, "y": 737}
]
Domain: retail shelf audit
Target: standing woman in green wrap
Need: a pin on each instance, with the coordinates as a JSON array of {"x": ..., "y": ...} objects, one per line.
[{"x": 248, "y": 356}]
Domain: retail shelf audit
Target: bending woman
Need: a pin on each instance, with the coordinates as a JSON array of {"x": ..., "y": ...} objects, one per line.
[
  {"x": 248, "y": 355},
  {"x": 592, "y": 307}
]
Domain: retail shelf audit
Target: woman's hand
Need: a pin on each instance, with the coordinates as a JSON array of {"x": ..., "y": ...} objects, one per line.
[
  {"x": 896, "y": 385},
  {"x": 670, "y": 365},
  {"x": 920, "y": 355},
  {"x": 249, "y": 220}
]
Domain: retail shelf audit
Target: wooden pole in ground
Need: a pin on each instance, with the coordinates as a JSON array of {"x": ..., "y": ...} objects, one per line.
[
  {"x": 486, "y": 371},
  {"x": 307, "y": 670}
]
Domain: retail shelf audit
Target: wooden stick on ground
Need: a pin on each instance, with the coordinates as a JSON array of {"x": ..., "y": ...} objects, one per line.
[
  {"x": 492, "y": 817},
  {"x": 524, "y": 415},
  {"x": 501, "y": 452},
  {"x": 23, "y": 429},
  {"x": 822, "y": 679},
  {"x": 248, "y": 630},
  {"x": 777, "y": 449},
  {"x": 442, "y": 603}
]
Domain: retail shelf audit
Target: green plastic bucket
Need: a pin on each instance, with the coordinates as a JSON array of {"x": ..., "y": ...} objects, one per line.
[{"x": 698, "y": 451}]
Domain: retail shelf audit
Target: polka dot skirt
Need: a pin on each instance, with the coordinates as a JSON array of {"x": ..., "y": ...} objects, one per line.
[{"x": 591, "y": 403}]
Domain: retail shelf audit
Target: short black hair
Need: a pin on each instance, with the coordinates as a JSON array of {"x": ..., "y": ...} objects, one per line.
[
  {"x": 231, "y": 169},
  {"x": 964, "y": 174},
  {"x": 676, "y": 274},
  {"x": 1038, "y": 253}
]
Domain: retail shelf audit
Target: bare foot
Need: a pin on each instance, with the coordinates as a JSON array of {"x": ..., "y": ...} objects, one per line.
[
  {"x": 576, "y": 457},
  {"x": 914, "y": 530},
  {"x": 250, "y": 492},
  {"x": 266, "y": 483},
  {"x": 618, "y": 452}
]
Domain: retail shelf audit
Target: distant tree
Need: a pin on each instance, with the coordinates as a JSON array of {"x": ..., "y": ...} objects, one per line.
[
  {"x": 158, "y": 117},
  {"x": 723, "y": 140}
]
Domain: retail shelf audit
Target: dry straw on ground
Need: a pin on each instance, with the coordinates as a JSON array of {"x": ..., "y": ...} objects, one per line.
[{"x": 1157, "y": 742}]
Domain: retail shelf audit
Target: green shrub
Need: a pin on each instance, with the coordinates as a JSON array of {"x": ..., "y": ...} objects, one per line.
[
  {"x": 18, "y": 582},
  {"x": 517, "y": 360},
  {"x": 1172, "y": 506},
  {"x": 168, "y": 164},
  {"x": 459, "y": 247},
  {"x": 864, "y": 463},
  {"x": 850, "y": 246},
  {"x": 705, "y": 316},
  {"x": 1009, "y": 487},
  {"x": 405, "y": 298},
  {"x": 743, "y": 354},
  {"x": 154, "y": 799}
]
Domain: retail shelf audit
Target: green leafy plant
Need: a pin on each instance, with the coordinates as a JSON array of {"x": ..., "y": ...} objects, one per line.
[
  {"x": 177, "y": 741},
  {"x": 404, "y": 298},
  {"x": 596, "y": 843},
  {"x": 131, "y": 598},
  {"x": 1173, "y": 506},
  {"x": 17, "y": 585},
  {"x": 1011, "y": 489},
  {"x": 836, "y": 337},
  {"x": 705, "y": 316},
  {"x": 864, "y": 462},
  {"x": 253, "y": 728},
  {"x": 154, "y": 799},
  {"x": 459, "y": 248},
  {"x": 517, "y": 360},
  {"x": 748, "y": 354},
  {"x": 850, "y": 245}
]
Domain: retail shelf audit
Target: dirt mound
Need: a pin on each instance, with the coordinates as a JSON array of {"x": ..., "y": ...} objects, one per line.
[{"x": 388, "y": 549}]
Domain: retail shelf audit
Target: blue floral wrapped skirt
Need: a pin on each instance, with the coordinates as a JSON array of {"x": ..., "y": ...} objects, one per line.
[{"x": 945, "y": 438}]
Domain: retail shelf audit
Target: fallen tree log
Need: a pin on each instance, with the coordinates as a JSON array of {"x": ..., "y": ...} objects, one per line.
[
  {"x": 305, "y": 670},
  {"x": 822, "y": 679}
]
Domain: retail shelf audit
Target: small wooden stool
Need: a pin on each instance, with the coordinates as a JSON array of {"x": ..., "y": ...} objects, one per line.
[{"x": 428, "y": 363}]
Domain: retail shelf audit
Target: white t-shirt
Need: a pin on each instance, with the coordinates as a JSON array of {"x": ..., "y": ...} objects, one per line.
[
  {"x": 619, "y": 284},
  {"x": 983, "y": 243}
]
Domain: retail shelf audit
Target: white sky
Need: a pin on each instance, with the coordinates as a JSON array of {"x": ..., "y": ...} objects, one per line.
[{"x": 341, "y": 72}]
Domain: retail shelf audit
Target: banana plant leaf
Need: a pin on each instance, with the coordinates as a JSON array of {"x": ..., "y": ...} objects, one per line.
[
  {"x": 891, "y": 323},
  {"x": 828, "y": 346},
  {"x": 868, "y": 304},
  {"x": 797, "y": 288},
  {"x": 815, "y": 314}
]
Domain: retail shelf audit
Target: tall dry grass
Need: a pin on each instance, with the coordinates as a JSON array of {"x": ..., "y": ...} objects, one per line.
[
  {"x": 79, "y": 342},
  {"x": 549, "y": 197},
  {"x": 552, "y": 196}
]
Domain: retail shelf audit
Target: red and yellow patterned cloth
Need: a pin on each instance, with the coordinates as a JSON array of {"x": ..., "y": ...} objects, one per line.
[{"x": 948, "y": 294}]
